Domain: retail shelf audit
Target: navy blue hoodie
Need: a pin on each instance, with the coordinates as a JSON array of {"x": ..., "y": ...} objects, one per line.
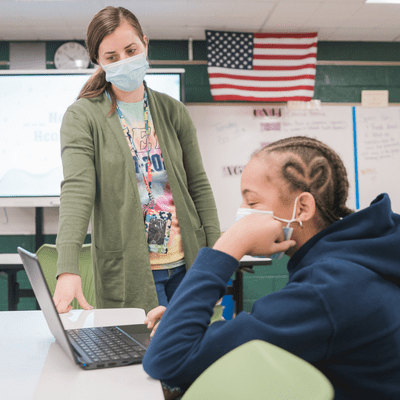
[{"x": 339, "y": 311}]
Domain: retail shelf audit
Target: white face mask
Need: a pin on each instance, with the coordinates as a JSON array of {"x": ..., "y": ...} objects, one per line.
[
  {"x": 286, "y": 229},
  {"x": 127, "y": 74}
]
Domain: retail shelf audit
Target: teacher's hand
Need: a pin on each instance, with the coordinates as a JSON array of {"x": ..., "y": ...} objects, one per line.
[{"x": 69, "y": 286}]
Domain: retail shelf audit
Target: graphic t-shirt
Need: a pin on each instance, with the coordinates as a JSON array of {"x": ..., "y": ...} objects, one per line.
[{"x": 133, "y": 114}]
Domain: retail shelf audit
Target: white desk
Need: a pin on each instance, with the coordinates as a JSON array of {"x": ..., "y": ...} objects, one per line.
[
  {"x": 33, "y": 366},
  {"x": 10, "y": 259}
]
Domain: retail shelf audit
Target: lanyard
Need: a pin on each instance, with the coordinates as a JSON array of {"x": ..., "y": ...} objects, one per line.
[{"x": 130, "y": 134}]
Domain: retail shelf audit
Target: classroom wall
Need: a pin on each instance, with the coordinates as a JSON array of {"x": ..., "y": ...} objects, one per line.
[
  {"x": 368, "y": 66},
  {"x": 344, "y": 69}
]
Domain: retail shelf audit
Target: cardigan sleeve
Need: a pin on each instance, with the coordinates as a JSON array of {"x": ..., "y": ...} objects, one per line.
[
  {"x": 77, "y": 188},
  {"x": 198, "y": 183}
]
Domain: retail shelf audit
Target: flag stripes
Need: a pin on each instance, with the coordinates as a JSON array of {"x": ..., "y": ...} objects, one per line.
[{"x": 261, "y": 66}]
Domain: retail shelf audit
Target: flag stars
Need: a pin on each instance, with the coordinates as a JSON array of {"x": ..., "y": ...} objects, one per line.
[{"x": 230, "y": 49}]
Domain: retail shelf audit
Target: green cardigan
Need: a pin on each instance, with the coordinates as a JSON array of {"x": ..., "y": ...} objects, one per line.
[{"x": 100, "y": 183}]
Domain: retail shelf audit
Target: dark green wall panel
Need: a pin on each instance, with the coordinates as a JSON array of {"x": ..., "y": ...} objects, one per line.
[
  {"x": 393, "y": 76},
  {"x": 199, "y": 50},
  {"x": 265, "y": 279},
  {"x": 4, "y": 54},
  {"x": 197, "y": 86},
  {"x": 359, "y": 51},
  {"x": 176, "y": 50},
  {"x": 168, "y": 50},
  {"x": 350, "y": 76},
  {"x": 394, "y": 94},
  {"x": 4, "y": 51},
  {"x": 337, "y": 94},
  {"x": 9, "y": 243}
]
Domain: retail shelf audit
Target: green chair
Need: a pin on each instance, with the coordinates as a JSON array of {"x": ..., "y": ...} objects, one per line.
[
  {"x": 217, "y": 316},
  {"x": 47, "y": 255},
  {"x": 260, "y": 370}
]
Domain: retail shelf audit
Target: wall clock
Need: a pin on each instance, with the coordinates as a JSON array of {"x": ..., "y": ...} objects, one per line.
[{"x": 71, "y": 55}]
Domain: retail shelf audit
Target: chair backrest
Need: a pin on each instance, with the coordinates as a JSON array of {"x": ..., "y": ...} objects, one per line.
[
  {"x": 47, "y": 255},
  {"x": 217, "y": 316},
  {"x": 260, "y": 370}
]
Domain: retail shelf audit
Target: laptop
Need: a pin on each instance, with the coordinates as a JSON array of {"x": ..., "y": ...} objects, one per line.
[{"x": 90, "y": 348}]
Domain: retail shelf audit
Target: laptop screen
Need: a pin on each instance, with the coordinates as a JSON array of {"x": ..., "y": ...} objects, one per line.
[{"x": 43, "y": 296}]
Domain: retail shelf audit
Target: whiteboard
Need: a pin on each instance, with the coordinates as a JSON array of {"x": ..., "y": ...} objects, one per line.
[
  {"x": 30, "y": 161},
  {"x": 378, "y": 150},
  {"x": 229, "y": 135}
]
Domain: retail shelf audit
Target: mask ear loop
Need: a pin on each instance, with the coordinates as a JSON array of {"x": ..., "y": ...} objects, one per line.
[
  {"x": 289, "y": 221},
  {"x": 294, "y": 214}
]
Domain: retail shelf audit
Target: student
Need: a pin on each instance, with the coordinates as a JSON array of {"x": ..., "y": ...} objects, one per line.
[
  {"x": 132, "y": 164},
  {"x": 340, "y": 308}
]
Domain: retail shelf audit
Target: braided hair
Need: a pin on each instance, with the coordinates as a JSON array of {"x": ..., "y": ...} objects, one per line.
[{"x": 312, "y": 166}]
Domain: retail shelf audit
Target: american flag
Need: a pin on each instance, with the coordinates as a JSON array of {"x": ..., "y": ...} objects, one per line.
[{"x": 261, "y": 66}]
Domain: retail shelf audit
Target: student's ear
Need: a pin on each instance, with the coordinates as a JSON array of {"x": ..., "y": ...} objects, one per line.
[{"x": 306, "y": 207}]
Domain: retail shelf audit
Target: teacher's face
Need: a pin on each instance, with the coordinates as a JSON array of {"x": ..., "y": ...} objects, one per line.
[{"x": 122, "y": 43}]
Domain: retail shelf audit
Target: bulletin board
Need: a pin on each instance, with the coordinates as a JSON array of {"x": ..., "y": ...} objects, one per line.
[
  {"x": 378, "y": 150},
  {"x": 367, "y": 140}
]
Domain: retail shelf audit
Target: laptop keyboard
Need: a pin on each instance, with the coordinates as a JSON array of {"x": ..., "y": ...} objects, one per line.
[{"x": 106, "y": 344}]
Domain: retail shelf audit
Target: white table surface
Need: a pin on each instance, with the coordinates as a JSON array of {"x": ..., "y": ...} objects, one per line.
[
  {"x": 256, "y": 260},
  {"x": 33, "y": 365},
  {"x": 10, "y": 258}
]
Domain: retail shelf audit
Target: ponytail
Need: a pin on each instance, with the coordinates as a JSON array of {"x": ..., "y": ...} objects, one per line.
[{"x": 96, "y": 86}]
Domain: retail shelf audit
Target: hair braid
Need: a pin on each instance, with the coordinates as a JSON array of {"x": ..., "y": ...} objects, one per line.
[{"x": 312, "y": 166}]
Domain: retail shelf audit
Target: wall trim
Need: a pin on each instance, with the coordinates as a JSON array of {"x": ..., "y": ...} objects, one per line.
[{"x": 321, "y": 62}]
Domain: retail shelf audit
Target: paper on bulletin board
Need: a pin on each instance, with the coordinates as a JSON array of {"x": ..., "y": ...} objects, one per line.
[{"x": 375, "y": 98}]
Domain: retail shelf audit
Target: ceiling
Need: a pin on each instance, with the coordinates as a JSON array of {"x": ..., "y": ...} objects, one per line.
[{"x": 334, "y": 20}]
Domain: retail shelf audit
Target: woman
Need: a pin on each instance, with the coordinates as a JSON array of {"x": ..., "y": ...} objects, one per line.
[
  {"x": 339, "y": 310},
  {"x": 132, "y": 164}
]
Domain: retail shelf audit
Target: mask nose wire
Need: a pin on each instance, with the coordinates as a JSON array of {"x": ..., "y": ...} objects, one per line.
[{"x": 123, "y": 61}]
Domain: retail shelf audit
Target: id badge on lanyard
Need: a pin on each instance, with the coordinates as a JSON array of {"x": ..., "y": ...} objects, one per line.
[
  {"x": 157, "y": 223},
  {"x": 158, "y": 229}
]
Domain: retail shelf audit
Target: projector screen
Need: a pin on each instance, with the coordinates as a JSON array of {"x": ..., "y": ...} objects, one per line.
[{"x": 32, "y": 105}]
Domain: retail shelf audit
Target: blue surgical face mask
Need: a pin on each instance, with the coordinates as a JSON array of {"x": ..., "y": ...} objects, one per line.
[
  {"x": 127, "y": 74},
  {"x": 286, "y": 229}
]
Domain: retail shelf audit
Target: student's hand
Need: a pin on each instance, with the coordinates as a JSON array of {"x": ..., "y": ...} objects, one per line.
[
  {"x": 153, "y": 318},
  {"x": 255, "y": 235},
  {"x": 69, "y": 286}
]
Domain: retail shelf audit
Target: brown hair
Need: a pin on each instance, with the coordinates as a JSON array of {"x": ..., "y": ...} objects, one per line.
[
  {"x": 105, "y": 22},
  {"x": 311, "y": 166}
]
